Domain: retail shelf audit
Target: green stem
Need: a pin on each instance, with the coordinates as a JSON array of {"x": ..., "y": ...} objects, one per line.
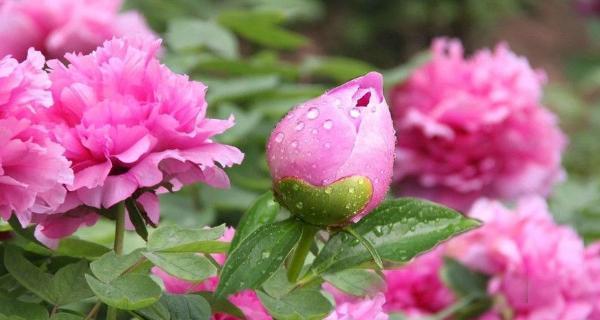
[
  {"x": 111, "y": 313},
  {"x": 306, "y": 240}
]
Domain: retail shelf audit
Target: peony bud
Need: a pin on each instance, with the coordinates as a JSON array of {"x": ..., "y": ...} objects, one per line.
[{"x": 331, "y": 158}]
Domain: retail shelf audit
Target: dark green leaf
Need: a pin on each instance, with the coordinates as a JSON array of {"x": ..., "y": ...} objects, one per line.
[
  {"x": 340, "y": 69},
  {"x": 263, "y": 211},
  {"x": 78, "y": 248},
  {"x": 66, "y": 316},
  {"x": 177, "y": 239},
  {"x": 357, "y": 282},
  {"x": 257, "y": 257},
  {"x": 278, "y": 285},
  {"x": 462, "y": 280},
  {"x": 135, "y": 216},
  {"x": 129, "y": 292},
  {"x": 222, "y": 305},
  {"x": 187, "y": 307},
  {"x": 65, "y": 287},
  {"x": 183, "y": 265},
  {"x": 298, "y": 305},
  {"x": 398, "y": 229},
  {"x": 28, "y": 311}
]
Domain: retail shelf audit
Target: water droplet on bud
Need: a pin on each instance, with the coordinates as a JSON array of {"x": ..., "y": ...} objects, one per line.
[
  {"x": 328, "y": 124},
  {"x": 354, "y": 113},
  {"x": 312, "y": 113},
  {"x": 299, "y": 126},
  {"x": 279, "y": 137}
]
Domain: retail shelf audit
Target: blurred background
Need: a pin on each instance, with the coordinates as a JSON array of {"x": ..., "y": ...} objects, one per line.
[{"x": 259, "y": 58}]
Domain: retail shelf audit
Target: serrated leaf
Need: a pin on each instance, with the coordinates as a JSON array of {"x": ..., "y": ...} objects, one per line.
[
  {"x": 356, "y": 282},
  {"x": 11, "y": 308},
  {"x": 177, "y": 239},
  {"x": 257, "y": 257},
  {"x": 398, "y": 229},
  {"x": 110, "y": 266},
  {"x": 298, "y": 305},
  {"x": 128, "y": 292},
  {"x": 263, "y": 211},
  {"x": 183, "y": 265}
]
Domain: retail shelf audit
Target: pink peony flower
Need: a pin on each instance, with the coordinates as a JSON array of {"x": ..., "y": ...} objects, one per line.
[
  {"x": 417, "y": 289},
  {"x": 247, "y": 301},
  {"x": 536, "y": 265},
  {"x": 474, "y": 127},
  {"x": 353, "y": 308},
  {"x": 32, "y": 167},
  {"x": 56, "y": 27},
  {"x": 336, "y": 136},
  {"x": 131, "y": 128},
  {"x": 540, "y": 269}
]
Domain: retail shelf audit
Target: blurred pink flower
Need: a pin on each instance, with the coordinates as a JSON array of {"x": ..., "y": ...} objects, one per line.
[
  {"x": 247, "y": 301},
  {"x": 335, "y": 136},
  {"x": 540, "y": 269},
  {"x": 474, "y": 127},
  {"x": 130, "y": 126},
  {"x": 348, "y": 307},
  {"x": 417, "y": 289},
  {"x": 536, "y": 265},
  {"x": 588, "y": 7},
  {"x": 56, "y": 27},
  {"x": 33, "y": 170}
]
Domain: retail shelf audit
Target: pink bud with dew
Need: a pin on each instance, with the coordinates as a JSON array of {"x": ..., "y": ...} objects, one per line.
[{"x": 331, "y": 157}]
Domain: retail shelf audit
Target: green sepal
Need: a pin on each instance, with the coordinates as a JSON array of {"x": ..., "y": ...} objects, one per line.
[{"x": 334, "y": 204}]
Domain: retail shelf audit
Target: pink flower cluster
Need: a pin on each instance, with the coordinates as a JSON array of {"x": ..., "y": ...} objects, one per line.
[
  {"x": 542, "y": 270},
  {"x": 470, "y": 128},
  {"x": 56, "y": 27},
  {"x": 111, "y": 125}
]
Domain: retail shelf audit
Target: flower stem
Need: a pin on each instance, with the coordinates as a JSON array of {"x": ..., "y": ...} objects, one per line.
[
  {"x": 111, "y": 313},
  {"x": 306, "y": 240}
]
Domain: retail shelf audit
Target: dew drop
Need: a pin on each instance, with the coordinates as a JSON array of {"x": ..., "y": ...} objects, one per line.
[
  {"x": 299, "y": 126},
  {"x": 351, "y": 190},
  {"x": 299, "y": 205},
  {"x": 312, "y": 113},
  {"x": 279, "y": 137},
  {"x": 314, "y": 131},
  {"x": 266, "y": 254},
  {"x": 327, "y": 145},
  {"x": 337, "y": 103},
  {"x": 328, "y": 190},
  {"x": 294, "y": 144},
  {"x": 354, "y": 113},
  {"x": 328, "y": 124}
]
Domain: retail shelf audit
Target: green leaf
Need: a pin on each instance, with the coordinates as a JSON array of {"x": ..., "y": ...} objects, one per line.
[
  {"x": 189, "y": 34},
  {"x": 110, "y": 266},
  {"x": 26, "y": 233},
  {"x": 255, "y": 259},
  {"x": 135, "y": 216},
  {"x": 356, "y": 282},
  {"x": 398, "y": 229},
  {"x": 262, "y": 28},
  {"x": 68, "y": 284},
  {"x": 222, "y": 305},
  {"x": 278, "y": 285},
  {"x": 239, "y": 88},
  {"x": 462, "y": 280},
  {"x": 183, "y": 265},
  {"x": 187, "y": 307},
  {"x": 402, "y": 72},
  {"x": 78, "y": 248},
  {"x": 66, "y": 316},
  {"x": 177, "y": 239},
  {"x": 12, "y": 308},
  {"x": 469, "y": 285},
  {"x": 263, "y": 211},
  {"x": 65, "y": 287},
  {"x": 297, "y": 305},
  {"x": 334, "y": 204},
  {"x": 129, "y": 292},
  {"x": 340, "y": 69}
]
